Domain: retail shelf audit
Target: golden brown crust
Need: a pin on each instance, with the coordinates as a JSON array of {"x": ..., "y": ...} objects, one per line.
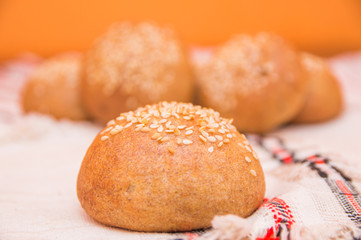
[
  {"x": 153, "y": 177},
  {"x": 257, "y": 80},
  {"x": 134, "y": 65},
  {"x": 324, "y": 97},
  {"x": 53, "y": 88}
]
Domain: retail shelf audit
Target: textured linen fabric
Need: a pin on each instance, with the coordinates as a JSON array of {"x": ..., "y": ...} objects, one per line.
[{"x": 312, "y": 172}]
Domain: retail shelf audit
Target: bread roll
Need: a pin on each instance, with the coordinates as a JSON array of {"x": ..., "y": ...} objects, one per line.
[
  {"x": 53, "y": 88},
  {"x": 134, "y": 65},
  {"x": 257, "y": 80},
  {"x": 324, "y": 97},
  {"x": 169, "y": 167}
]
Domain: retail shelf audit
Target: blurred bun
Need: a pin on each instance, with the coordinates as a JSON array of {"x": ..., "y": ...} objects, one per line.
[
  {"x": 257, "y": 80},
  {"x": 53, "y": 88},
  {"x": 133, "y": 65},
  {"x": 169, "y": 167},
  {"x": 324, "y": 97}
]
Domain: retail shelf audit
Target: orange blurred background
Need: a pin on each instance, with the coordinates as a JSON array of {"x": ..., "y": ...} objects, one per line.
[{"x": 325, "y": 27}]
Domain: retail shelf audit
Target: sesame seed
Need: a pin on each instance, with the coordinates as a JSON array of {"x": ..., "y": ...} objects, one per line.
[
  {"x": 240, "y": 144},
  {"x": 171, "y": 150},
  {"x": 154, "y": 125},
  {"x": 189, "y": 132},
  {"x": 234, "y": 135},
  {"x": 210, "y": 149},
  {"x": 160, "y": 129},
  {"x": 104, "y": 138},
  {"x": 202, "y": 138},
  {"x": 204, "y": 133},
  {"x": 144, "y": 121},
  {"x": 165, "y": 115},
  {"x": 155, "y": 136},
  {"x": 164, "y": 139},
  {"x": 212, "y": 139},
  {"x": 229, "y": 135},
  {"x": 253, "y": 172},
  {"x": 176, "y": 131},
  {"x": 248, "y": 148},
  {"x": 114, "y": 131},
  {"x": 118, "y": 127},
  {"x": 254, "y": 154},
  {"x": 154, "y": 116},
  {"x": 106, "y": 130},
  {"x": 220, "y": 138},
  {"x": 145, "y": 129},
  {"x": 248, "y": 159},
  {"x": 168, "y": 124},
  {"x": 111, "y": 122},
  {"x": 211, "y": 130}
]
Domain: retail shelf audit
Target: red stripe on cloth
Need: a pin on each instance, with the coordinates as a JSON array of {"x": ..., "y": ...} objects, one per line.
[
  {"x": 192, "y": 236},
  {"x": 349, "y": 196}
]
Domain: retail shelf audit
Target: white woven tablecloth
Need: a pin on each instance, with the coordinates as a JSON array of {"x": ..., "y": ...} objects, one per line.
[{"x": 40, "y": 159}]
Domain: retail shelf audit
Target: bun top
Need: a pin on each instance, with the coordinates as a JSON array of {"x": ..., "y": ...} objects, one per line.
[
  {"x": 247, "y": 65},
  {"x": 178, "y": 124},
  {"x": 135, "y": 57}
]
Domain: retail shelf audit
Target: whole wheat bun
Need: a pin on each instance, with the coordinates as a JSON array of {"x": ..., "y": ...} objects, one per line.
[
  {"x": 324, "y": 97},
  {"x": 134, "y": 65},
  {"x": 257, "y": 80},
  {"x": 53, "y": 88},
  {"x": 169, "y": 167}
]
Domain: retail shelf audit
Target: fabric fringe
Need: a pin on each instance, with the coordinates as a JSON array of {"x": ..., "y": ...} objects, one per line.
[
  {"x": 228, "y": 227},
  {"x": 231, "y": 227}
]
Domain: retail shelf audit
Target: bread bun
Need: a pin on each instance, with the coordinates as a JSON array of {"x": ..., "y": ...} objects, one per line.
[
  {"x": 169, "y": 167},
  {"x": 324, "y": 97},
  {"x": 257, "y": 80},
  {"x": 53, "y": 88},
  {"x": 134, "y": 65}
]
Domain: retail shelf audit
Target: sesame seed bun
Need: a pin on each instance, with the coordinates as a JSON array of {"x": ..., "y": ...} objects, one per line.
[
  {"x": 134, "y": 65},
  {"x": 169, "y": 167},
  {"x": 324, "y": 97},
  {"x": 257, "y": 80},
  {"x": 53, "y": 88}
]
